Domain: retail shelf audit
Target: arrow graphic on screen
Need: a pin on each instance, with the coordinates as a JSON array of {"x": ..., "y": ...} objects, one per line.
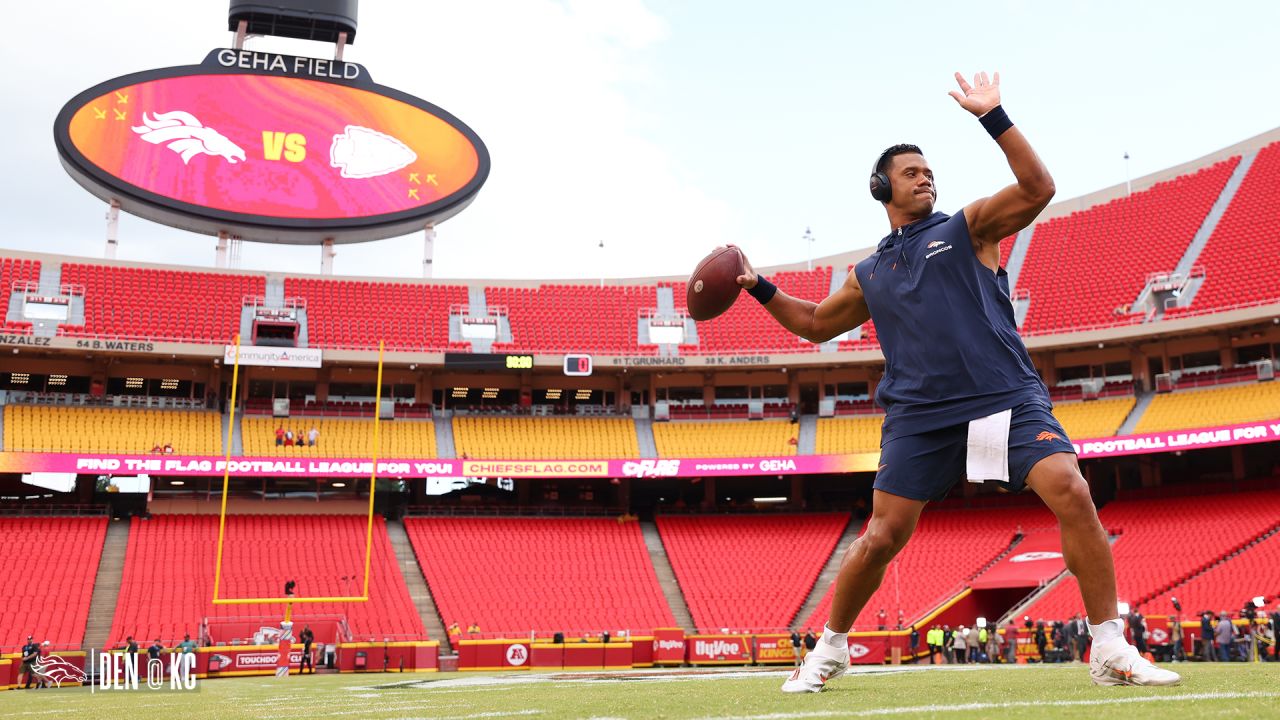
[{"x": 363, "y": 153}]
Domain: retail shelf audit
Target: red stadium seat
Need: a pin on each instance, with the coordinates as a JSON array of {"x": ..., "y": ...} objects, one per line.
[{"x": 167, "y": 588}]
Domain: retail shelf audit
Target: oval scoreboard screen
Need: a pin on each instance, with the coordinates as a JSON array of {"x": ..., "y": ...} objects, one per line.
[{"x": 272, "y": 148}]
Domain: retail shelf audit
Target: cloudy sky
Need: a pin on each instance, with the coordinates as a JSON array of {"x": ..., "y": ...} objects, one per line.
[{"x": 666, "y": 127}]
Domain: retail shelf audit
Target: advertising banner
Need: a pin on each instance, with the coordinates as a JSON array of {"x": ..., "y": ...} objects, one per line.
[
  {"x": 774, "y": 650},
  {"x": 1190, "y": 439},
  {"x": 412, "y": 468},
  {"x": 273, "y": 356},
  {"x": 718, "y": 649},
  {"x": 488, "y": 655},
  {"x": 869, "y": 649},
  {"x": 668, "y": 646}
]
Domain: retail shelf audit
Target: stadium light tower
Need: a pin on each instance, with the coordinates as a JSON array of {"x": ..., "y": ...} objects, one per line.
[
  {"x": 809, "y": 239},
  {"x": 1128, "y": 184}
]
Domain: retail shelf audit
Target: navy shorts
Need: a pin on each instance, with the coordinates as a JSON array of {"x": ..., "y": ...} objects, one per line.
[{"x": 926, "y": 466}]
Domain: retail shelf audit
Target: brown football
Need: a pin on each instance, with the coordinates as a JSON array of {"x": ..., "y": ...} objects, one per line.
[{"x": 713, "y": 286}]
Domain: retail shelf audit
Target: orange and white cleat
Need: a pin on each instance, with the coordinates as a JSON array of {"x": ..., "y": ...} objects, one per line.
[
  {"x": 1124, "y": 666},
  {"x": 823, "y": 663}
]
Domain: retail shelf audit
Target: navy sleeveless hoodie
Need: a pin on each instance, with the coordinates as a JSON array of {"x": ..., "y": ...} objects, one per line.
[{"x": 946, "y": 325}]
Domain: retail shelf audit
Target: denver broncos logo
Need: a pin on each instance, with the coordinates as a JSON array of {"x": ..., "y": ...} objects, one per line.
[
  {"x": 57, "y": 670},
  {"x": 1046, "y": 435},
  {"x": 185, "y": 135}
]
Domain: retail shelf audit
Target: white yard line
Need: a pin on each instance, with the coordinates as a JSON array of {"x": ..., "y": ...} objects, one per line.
[{"x": 999, "y": 706}]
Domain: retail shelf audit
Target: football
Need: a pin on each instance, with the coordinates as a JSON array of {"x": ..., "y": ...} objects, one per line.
[{"x": 713, "y": 286}]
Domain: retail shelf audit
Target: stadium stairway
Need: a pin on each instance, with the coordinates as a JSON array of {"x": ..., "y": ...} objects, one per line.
[
  {"x": 1201, "y": 238},
  {"x": 106, "y": 586},
  {"x": 416, "y": 582},
  {"x": 666, "y": 576},
  {"x": 829, "y": 571},
  {"x": 1135, "y": 415},
  {"x": 445, "y": 448},
  {"x": 644, "y": 436},
  {"x": 237, "y": 437},
  {"x": 1018, "y": 255},
  {"x": 807, "y": 441}
]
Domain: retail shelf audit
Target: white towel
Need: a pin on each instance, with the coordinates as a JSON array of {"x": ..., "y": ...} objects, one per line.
[{"x": 988, "y": 455}]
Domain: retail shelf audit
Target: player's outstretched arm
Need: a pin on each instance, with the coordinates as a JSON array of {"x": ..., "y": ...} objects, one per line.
[
  {"x": 994, "y": 218},
  {"x": 843, "y": 311}
]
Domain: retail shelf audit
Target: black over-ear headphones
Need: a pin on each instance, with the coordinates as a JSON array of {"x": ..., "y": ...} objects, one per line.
[{"x": 881, "y": 188}]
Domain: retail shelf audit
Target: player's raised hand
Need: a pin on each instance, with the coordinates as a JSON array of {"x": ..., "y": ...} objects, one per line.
[
  {"x": 748, "y": 277},
  {"x": 979, "y": 97}
]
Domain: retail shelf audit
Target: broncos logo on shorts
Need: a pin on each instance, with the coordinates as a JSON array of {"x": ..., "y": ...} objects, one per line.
[{"x": 1046, "y": 435}]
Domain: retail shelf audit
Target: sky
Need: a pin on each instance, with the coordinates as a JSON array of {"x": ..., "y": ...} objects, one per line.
[{"x": 663, "y": 128}]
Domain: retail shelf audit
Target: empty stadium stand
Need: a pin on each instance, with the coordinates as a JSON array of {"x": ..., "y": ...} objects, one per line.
[
  {"x": 111, "y": 430},
  {"x": 145, "y": 303},
  {"x": 357, "y": 314},
  {"x": 548, "y": 575},
  {"x": 167, "y": 587},
  {"x": 1254, "y": 571},
  {"x": 948, "y": 549},
  {"x": 725, "y": 438},
  {"x": 340, "y": 438},
  {"x": 849, "y": 435},
  {"x": 1093, "y": 418},
  {"x": 49, "y": 568},
  {"x": 1207, "y": 407},
  {"x": 748, "y": 572},
  {"x": 1145, "y": 232},
  {"x": 1235, "y": 260},
  {"x": 550, "y": 318},
  {"x": 503, "y": 437},
  {"x": 1148, "y": 564},
  {"x": 747, "y": 326},
  {"x": 17, "y": 270}
]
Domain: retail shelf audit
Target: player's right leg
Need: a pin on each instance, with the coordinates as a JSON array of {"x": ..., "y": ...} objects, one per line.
[{"x": 893, "y": 519}]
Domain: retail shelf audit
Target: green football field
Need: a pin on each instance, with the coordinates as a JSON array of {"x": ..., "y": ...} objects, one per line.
[{"x": 1064, "y": 691}]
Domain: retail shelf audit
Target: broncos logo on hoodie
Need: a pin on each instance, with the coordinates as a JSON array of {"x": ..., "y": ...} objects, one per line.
[{"x": 185, "y": 135}]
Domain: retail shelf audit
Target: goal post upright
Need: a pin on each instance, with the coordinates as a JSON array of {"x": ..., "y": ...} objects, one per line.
[{"x": 287, "y": 601}]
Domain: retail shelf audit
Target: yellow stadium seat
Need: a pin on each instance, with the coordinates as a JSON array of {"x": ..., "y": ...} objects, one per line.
[
  {"x": 544, "y": 438},
  {"x": 849, "y": 435},
  {"x": 111, "y": 430},
  {"x": 725, "y": 438},
  {"x": 1094, "y": 418},
  {"x": 1212, "y": 406},
  {"x": 340, "y": 437}
]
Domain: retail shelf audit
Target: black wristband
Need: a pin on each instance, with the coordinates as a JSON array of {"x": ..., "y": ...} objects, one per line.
[
  {"x": 764, "y": 290},
  {"x": 996, "y": 121}
]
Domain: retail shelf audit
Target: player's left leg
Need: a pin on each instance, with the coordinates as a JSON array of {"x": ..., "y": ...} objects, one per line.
[{"x": 1057, "y": 480}]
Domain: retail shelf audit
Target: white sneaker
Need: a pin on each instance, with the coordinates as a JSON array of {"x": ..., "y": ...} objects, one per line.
[
  {"x": 1124, "y": 666},
  {"x": 823, "y": 663}
]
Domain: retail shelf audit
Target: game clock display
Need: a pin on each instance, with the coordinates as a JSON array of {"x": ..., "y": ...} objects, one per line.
[{"x": 487, "y": 361}]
